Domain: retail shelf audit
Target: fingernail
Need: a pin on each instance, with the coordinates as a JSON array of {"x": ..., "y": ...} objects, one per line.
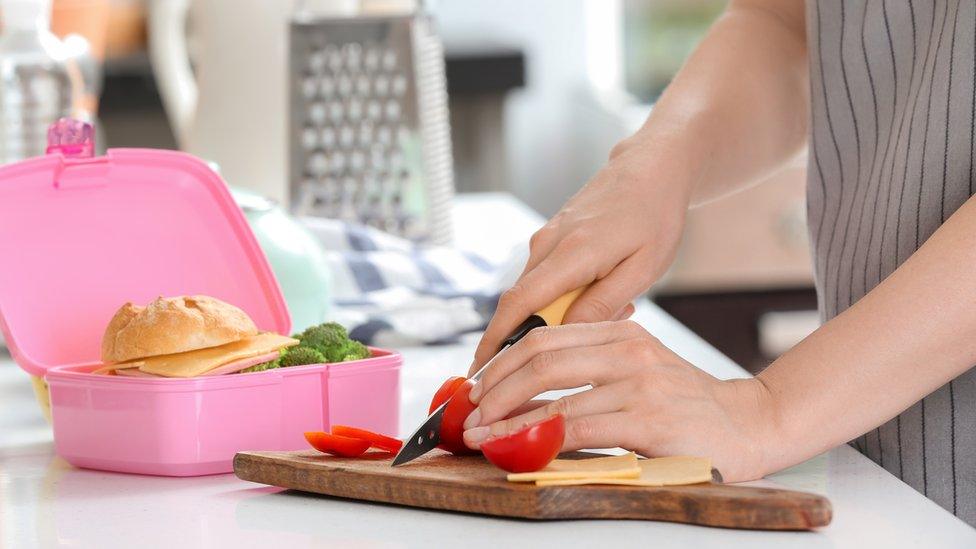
[
  {"x": 476, "y": 435},
  {"x": 474, "y": 393},
  {"x": 474, "y": 418}
]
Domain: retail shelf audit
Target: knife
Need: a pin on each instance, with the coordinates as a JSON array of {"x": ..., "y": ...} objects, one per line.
[{"x": 428, "y": 435}]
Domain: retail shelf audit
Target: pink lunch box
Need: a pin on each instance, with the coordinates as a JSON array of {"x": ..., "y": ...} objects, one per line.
[{"x": 80, "y": 236}]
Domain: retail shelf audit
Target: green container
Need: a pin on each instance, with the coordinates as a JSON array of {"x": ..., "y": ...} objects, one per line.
[{"x": 295, "y": 257}]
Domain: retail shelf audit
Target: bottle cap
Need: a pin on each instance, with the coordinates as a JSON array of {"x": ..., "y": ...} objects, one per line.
[{"x": 71, "y": 137}]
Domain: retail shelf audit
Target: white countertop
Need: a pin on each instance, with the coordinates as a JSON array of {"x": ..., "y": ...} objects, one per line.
[{"x": 45, "y": 502}]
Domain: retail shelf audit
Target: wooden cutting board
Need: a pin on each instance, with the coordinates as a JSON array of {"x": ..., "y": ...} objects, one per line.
[{"x": 472, "y": 485}]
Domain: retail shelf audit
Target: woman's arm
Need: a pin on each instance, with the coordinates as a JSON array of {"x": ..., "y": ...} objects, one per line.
[
  {"x": 907, "y": 337},
  {"x": 736, "y": 112}
]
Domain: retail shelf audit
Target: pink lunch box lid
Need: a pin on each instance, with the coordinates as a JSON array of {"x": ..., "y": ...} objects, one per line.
[{"x": 81, "y": 236}]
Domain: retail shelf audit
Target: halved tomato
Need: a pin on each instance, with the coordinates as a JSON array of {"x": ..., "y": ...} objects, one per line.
[
  {"x": 337, "y": 445},
  {"x": 458, "y": 408},
  {"x": 375, "y": 440},
  {"x": 530, "y": 448},
  {"x": 447, "y": 389}
]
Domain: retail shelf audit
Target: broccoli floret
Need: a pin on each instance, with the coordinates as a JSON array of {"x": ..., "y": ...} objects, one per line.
[
  {"x": 324, "y": 337},
  {"x": 327, "y": 342},
  {"x": 332, "y": 341},
  {"x": 300, "y": 356},
  {"x": 347, "y": 350},
  {"x": 354, "y": 350},
  {"x": 269, "y": 365}
]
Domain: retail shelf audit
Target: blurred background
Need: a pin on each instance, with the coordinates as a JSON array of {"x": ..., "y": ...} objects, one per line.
[{"x": 380, "y": 111}]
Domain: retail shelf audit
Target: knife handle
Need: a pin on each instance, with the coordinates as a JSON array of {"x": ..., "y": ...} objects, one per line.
[
  {"x": 554, "y": 313},
  {"x": 550, "y": 315}
]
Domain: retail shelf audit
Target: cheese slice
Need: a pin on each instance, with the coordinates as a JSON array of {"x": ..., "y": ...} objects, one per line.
[
  {"x": 133, "y": 372},
  {"x": 243, "y": 364},
  {"x": 194, "y": 363},
  {"x": 229, "y": 368},
  {"x": 623, "y": 466},
  {"x": 666, "y": 471},
  {"x": 113, "y": 369}
]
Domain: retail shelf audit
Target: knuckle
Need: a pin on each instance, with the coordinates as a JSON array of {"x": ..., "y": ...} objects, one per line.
[
  {"x": 562, "y": 406},
  {"x": 595, "y": 309},
  {"x": 541, "y": 364},
  {"x": 645, "y": 350},
  {"x": 509, "y": 425},
  {"x": 540, "y": 237},
  {"x": 512, "y": 298},
  {"x": 587, "y": 258},
  {"x": 620, "y": 148},
  {"x": 581, "y": 430},
  {"x": 576, "y": 241},
  {"x": 538, "y": 338}
]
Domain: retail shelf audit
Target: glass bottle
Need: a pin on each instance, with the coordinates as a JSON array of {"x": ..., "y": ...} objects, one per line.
[{"x": 35, "y": 84}]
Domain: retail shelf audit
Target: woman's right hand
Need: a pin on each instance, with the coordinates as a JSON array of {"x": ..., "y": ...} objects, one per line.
[{"x": 620, "y": 233}]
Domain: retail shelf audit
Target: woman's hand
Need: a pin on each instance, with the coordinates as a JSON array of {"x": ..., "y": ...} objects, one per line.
[
  {"x": 644, "y": 398},
  {"x": 620, "y": 233},
  {"x": 735, "y": 114}
]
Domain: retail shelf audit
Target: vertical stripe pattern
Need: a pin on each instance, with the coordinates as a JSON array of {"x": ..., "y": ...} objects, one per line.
[{"x": 893, "y": 119}]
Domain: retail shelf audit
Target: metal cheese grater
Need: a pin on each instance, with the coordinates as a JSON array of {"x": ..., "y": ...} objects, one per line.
[{"x": 369, "y": 131}]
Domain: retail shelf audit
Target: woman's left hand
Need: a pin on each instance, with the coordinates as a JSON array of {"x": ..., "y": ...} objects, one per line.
[{"x": 643, "y": 398}]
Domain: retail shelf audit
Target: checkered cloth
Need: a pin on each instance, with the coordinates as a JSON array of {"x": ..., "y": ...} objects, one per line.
[{"x": 391, "y": 292}]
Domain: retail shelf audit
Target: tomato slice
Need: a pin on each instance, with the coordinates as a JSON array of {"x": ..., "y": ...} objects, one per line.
[
  {"x": 337, "y": 445},
  {"x": 375, "y": 440},
  {"x": 447, "y": 389},
  {"x": 530, "y": 448},
  {"x": 452, "y": 424}
]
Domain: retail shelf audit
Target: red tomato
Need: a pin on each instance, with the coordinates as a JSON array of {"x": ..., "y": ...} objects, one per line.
[
  {"x": 530, "y": 448},
  {"x": 375, "y": 440},
  {"x": 337, "y": 445},
  {"x": 452, "y": 425},
  {"x": 447, "y": 389}
]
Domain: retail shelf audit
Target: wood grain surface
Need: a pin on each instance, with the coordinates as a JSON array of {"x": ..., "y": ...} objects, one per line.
[{"x": 472, "y": 485}]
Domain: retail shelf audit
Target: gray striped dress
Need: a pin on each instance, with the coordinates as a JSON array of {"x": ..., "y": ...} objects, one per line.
[{"x": 893, "y": 92}]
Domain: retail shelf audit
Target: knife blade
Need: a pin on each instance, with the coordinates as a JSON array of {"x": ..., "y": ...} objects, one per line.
[{"x": 426, "y": 437}]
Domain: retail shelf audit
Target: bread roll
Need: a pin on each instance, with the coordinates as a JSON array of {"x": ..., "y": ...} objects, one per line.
[{"x": 173, "y": 325}]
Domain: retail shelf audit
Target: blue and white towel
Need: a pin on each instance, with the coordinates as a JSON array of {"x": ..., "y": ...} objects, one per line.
[{"x": 391, "y": 292}]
